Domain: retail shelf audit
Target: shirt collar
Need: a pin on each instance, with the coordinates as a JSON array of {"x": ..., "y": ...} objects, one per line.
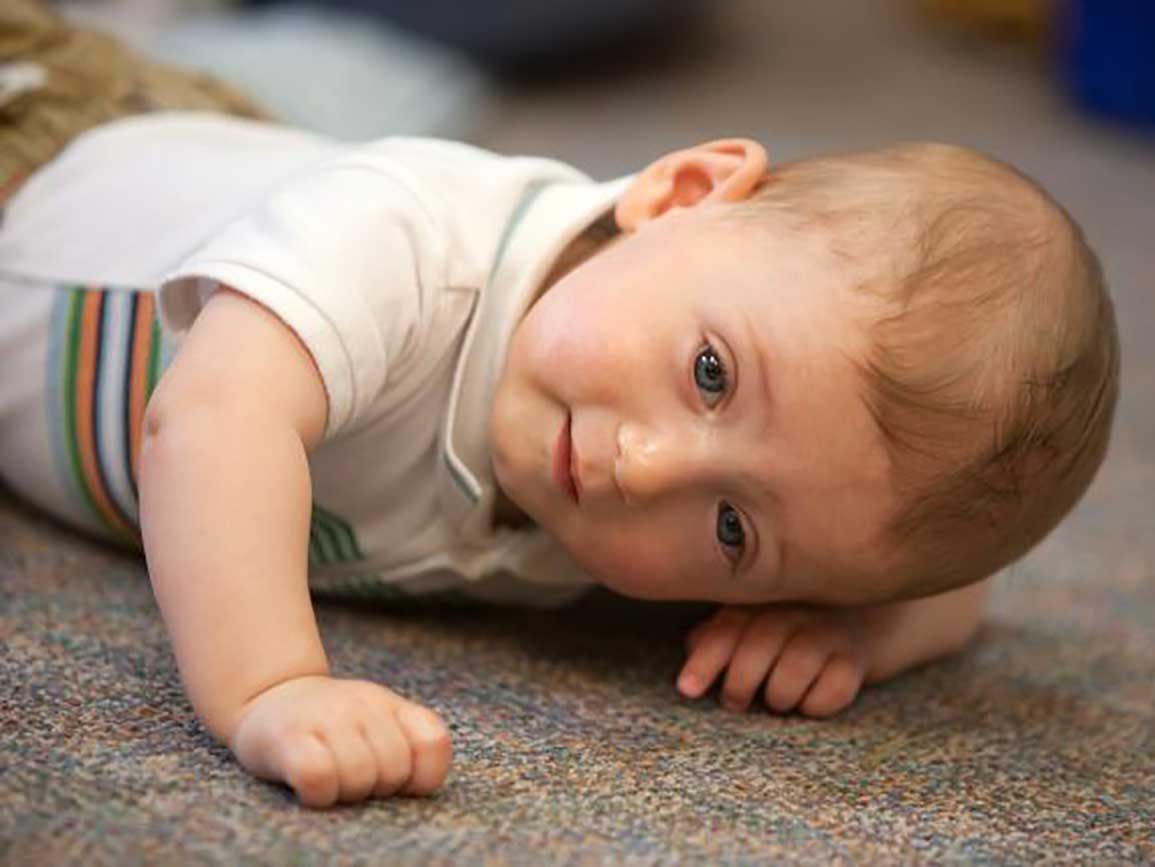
[{"x": 549, "y": 216}]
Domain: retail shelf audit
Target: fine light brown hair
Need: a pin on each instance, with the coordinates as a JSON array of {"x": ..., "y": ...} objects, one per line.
[{"x": 992, "y": 368}]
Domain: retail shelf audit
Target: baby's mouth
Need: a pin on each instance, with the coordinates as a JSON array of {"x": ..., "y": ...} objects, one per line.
[
  {"x": 575, "y": 477},
  {"x": 564, "y": 461}
]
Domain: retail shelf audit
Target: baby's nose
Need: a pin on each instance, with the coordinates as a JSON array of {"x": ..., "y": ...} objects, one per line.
[{"x": 654, "y": 463}]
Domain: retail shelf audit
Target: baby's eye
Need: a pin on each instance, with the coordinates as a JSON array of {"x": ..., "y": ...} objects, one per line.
[
  {"x": 730, "y": 532},
  {"x": 710, "y": 375}
]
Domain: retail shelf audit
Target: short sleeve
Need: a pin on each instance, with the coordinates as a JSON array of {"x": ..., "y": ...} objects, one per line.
[{"x": 336, "y": 255}]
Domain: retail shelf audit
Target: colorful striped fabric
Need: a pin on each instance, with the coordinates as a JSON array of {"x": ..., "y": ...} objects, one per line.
[
  {"x": 106, "y": 352},
  {"x": 105, "y": 355}
]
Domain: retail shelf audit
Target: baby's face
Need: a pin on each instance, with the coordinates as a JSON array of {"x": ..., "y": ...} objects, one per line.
[{"x": 682, "y": 414}]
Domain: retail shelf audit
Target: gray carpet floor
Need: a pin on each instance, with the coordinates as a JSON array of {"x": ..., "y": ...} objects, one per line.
[{"x": 1036, "y": 744}]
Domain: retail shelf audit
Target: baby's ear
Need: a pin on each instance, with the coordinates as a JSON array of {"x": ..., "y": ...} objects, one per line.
[{"x": 726, "y": 170}]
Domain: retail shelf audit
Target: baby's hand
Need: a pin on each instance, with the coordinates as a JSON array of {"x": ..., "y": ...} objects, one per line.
[
  {"x": 810, "y": 658},
  {"x": 341, "y": 740}
]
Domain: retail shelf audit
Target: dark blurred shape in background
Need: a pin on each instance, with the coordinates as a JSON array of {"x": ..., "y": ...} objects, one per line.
[{"x": 519, "y": 35}]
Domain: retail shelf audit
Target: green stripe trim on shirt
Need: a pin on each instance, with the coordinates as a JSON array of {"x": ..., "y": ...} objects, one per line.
[
  {"x": 155, "y": 364},
  {"x": 331, "y": 539}
]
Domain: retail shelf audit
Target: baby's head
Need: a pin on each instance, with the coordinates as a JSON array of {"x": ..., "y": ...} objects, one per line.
[{"x": 843, "y": 380}]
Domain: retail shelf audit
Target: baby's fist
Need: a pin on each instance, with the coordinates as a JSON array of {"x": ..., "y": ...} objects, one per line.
[
  {"x": 341, "y": 740},
  {"x": 801, "y": 657}
]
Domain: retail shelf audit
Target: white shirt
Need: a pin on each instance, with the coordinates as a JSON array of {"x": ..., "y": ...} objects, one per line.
[{"x": 404, "y": 265}]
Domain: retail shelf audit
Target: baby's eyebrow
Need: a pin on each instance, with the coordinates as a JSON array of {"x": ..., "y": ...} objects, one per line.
[{"x": 762, "y": 362}]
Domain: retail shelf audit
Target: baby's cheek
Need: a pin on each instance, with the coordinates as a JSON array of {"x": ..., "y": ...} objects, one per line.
[
  {"x": 570, "y": 336},
  {"x": 633, "y": 567}
]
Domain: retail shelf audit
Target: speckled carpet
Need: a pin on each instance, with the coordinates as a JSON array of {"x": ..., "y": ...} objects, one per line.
[{"x": 571, "y": 745}]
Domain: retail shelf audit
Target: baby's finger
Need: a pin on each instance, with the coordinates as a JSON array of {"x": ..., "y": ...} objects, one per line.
[
  {"x": 757, "y": 650},
  {"x": 303, "y": 761},
  {"x": 712, "y": 652},
  {"x": 835, "y": 687},
  {"x": 725, "y": 617},
  {"x": 356, "y": 763},
  {"x": 391, "y": 750},
  {"x": 430, "y": 748},
  {"x": 799, "y": 663}
]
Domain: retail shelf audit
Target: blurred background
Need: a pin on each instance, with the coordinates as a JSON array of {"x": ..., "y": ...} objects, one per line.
[
  {"x": 1063, "y": 89},
  {"x": 364, "y": 68}
]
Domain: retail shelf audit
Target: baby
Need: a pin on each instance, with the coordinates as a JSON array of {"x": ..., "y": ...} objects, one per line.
[{"x": 834, "y": 395}]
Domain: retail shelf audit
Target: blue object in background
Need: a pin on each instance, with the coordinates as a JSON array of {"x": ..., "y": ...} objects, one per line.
[{"x": 1108, "y": 55}]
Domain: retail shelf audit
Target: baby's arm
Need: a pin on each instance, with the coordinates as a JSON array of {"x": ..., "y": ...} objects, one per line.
[
  {"x": 901, "y": 635},
  {"x": 815, "y": 659},
  {"x": 225, "y": 499}
]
